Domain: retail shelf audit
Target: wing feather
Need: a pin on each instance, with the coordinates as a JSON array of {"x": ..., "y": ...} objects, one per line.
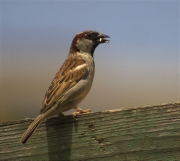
[{"x": 72, "y": 71}]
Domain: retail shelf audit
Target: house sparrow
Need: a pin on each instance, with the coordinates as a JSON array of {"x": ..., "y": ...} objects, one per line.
[{"x": 72, "y": 82}]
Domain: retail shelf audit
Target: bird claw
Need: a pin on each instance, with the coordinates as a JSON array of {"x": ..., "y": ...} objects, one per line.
[{"x": 79, "y": 111}]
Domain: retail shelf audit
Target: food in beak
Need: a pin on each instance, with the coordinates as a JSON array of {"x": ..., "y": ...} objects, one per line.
[{"x": 103, "y": 40}]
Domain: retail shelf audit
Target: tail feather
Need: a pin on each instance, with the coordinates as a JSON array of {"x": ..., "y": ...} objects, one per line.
[{"x": 31, "y": 128}]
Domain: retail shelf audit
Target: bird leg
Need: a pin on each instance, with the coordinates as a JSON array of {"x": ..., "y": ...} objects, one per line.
[{"x": 79, "y": 110}]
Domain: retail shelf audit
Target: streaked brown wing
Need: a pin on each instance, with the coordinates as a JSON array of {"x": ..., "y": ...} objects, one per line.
[{"x": 72, "y": 71}]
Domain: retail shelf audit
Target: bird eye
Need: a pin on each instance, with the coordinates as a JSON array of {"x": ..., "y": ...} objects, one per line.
[{"x": 89, "y": 35}]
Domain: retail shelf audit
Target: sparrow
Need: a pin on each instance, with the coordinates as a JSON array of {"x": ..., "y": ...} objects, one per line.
[{"x": 72, "y": 82}]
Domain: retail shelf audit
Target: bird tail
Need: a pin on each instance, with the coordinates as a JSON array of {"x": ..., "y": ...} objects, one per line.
[{"x": 31, "y": 128}]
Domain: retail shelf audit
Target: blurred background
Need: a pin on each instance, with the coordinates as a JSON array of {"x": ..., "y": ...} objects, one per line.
[{"x": 140, "y": 65}]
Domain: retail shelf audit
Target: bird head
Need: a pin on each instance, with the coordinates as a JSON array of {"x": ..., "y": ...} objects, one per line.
[{"x": 87, "y": 41}]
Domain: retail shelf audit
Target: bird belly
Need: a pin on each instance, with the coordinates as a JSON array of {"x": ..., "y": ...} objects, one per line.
[{"x": 76, "y": 94}]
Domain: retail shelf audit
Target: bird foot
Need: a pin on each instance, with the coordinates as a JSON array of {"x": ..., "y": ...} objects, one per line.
[{"x": 79, "y": 111}]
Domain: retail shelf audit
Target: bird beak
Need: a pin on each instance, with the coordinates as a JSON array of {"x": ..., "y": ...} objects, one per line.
[{"x": 102, "y": 38}]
